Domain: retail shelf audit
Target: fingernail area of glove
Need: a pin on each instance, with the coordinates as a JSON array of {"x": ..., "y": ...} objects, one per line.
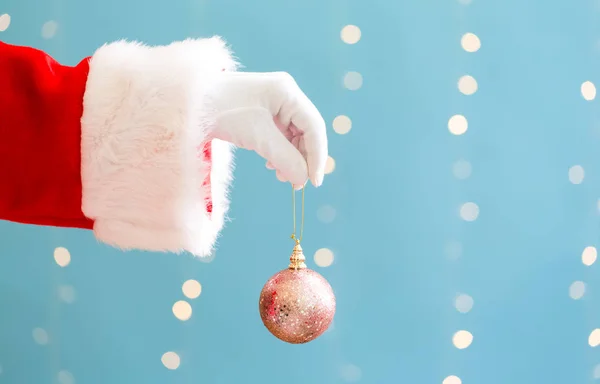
[{"x": 318, "y": 179}]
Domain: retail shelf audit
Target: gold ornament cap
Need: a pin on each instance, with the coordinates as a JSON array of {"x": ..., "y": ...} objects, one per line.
[{"x": 297, "y": 259}]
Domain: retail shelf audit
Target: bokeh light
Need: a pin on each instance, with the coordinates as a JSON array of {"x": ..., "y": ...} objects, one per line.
[
  {"x": 462, "y": 339},
  {"x": 350, "y": 34}
]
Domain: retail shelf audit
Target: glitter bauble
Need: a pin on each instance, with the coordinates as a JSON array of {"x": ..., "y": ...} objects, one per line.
[{"x": 297, "y": 304}]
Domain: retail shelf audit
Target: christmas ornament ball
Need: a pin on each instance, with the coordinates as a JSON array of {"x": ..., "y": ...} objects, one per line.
[{"x": 297, "y": 304}]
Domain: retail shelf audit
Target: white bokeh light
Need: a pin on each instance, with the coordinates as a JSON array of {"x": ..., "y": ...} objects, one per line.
[
  {"x": 470, "y": 42},
  {"x": 596, "y": 372},
  {"x": 182, "y": 310},
  {"x": 65, "y": 377},
  {"x": 462, "y": 339},
  {"x": 49, "y": 29},
  {"x": 62, "y": 256},
  {"x": 324, "y": 257},
  {"x": 342, "y": 124},
  {"x": 467, "y": 85},
  {"x": 171, "y": 360},
  {"x": 458, "y": 125},
  {"x": 588, "y": 91},
  {"x": 577, "y": 290},
  {"x": 463, "y": 303},
  {"x": 461, "y": 169},
  {"x": 4, "y": 22},
  {"x": 191, "y": 289},
  {"x": 326, "y": 214},
  {"x": 465, "y": 2},
  {"x": 350, "y": 373},
  {"x": 40, "y": 336},
  {"x": 452, "y": 380},
  {"x": 453, "y": 250},
  {"x": 66, "y": 293},
  {"x": 589, "y": 255},
  {"x": 469, "y": 211},
  {"x": 353, "y": 81},
  {"x": 594, "y": 338},
  {"x": 576, "y": 174},
  {"x": 329, "y": 165},
  {"x": 350, "y": 34}
]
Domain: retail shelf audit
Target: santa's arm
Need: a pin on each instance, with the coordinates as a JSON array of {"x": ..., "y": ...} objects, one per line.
[
  {"x": 117, "y": 143},
  {"x": 135, "y": 142},
  {"x": 40, "y": 110}
]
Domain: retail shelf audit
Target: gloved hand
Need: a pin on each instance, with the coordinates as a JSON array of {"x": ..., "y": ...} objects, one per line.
[{"x": 269, "y": 114}]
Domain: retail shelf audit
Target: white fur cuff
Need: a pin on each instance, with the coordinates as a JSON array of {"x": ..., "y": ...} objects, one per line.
[{"x": 144, "y": 128}]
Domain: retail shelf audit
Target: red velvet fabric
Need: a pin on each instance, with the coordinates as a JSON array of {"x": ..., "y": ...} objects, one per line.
[{"x": 41, "y": 103}]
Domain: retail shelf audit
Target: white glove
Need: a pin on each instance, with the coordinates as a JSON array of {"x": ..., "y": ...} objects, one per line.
[{"x": 269, "y": 114}]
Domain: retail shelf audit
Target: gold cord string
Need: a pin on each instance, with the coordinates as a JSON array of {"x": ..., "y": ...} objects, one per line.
[{"x": 297, "y": 239}]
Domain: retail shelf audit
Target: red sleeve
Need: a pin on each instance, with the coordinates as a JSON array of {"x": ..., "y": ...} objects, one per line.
[
  {"x": 119, "y": 143},
  {"x": 41, "y": 104}
]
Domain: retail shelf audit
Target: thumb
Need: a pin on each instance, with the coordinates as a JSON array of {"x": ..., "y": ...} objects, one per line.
[{"x": 254, "y": 129}]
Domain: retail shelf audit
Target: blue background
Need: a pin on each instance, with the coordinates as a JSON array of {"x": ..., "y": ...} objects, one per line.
[{"x": 395, "y": 198}]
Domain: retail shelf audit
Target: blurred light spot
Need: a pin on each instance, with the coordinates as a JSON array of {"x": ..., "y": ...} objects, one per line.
[
  {"x": 576, "y": 290},
  {"x": 182, "y": 310},
  {"x": 576, "y": 174},
  {"x": 469, "y": 211},
  {"x": 588, "y": 90},
  {"x": 462, "y": 339},
  {"x": 4, "y": 22},
  {"x": 66, "y": 293},
  {"x": 40, "y": 336},
  {"x": 351, "y": 373},
  {"x": 65, "y": 377},
  {"x": 461, "y": 169},
  {"x": 62, "y": 256},
  {"x": 457, "y": 124},
  {"x": 49, "y": 29},
  {"x": 329, "y": 165},
  {"x": 465, "y": 2},
  {"x": 467, "y": 85},
  {"x": 453, "y": 250},
  {"x": 470, "y": 42},
  {"x": 589, "y": 256},
  {"x": 452, "y": 380},
  {"x": 191, "y": 289},
  {"x": 342, "y": 124},
  {"x": 353, "y": 81},
  {"x": 597, "y": 372},
  {"x": 463, "y": 303},
  {"x": 326, "y": 214},
  {"x": 171, "y": 360},
  {"x": 350, "y": 34},
  {"x": 594, "y": 339},
  {"x": 324, "y": 257}
]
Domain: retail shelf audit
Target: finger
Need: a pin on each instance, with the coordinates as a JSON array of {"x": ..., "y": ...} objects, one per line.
[
  {"x": 314, "y": 144},
  {"x": 254, "y": 129},
  {"x": 282, "y": 155},
  {"x": 280, "y": 177},
  {"x": 303, "y": 114},
  {"x": 269, "y": 165}
]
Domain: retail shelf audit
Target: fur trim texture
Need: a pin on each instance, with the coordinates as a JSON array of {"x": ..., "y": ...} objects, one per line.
[{"x": 145, "y": 127}]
